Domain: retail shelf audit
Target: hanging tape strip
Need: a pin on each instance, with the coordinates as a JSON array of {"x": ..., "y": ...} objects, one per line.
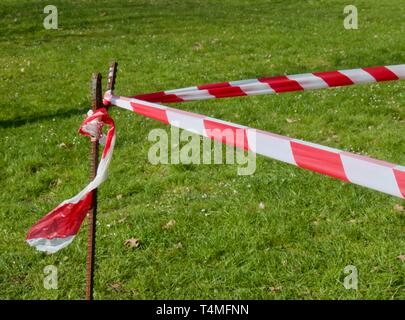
[{"x": 58, "y": 228}]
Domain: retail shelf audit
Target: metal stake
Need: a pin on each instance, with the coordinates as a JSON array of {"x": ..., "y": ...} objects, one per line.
[
  {"x": 91, "y": 233},
  {"x": 112, "y": 72}
]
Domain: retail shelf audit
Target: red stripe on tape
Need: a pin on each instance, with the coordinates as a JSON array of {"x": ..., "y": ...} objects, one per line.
[
  {"x": 334, "y": 78},
  {"x": 282, "y": 84},
  {"x": 110, "y": 136},
  {"x": 227, "y": 134},
  {"x": 381, "y": 73},
  {"x": 150, "y": 112},
  {"x": 400, "y": 177},
  {"x": 159, "y": 97},
  {"x": 63, "y": 221},
  {"x": 319, "y": 160},
  {"x": 227, "y": 92}
]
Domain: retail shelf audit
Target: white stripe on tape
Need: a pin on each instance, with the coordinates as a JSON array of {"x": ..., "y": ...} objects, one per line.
[
  {"x": 358, "y": 76},
  {"x": 372, "y": 175},
  {"x": 309, "y": 81}
]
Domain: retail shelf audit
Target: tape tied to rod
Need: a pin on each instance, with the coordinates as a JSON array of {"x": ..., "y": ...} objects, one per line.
[{"x": 58, "y": 228}]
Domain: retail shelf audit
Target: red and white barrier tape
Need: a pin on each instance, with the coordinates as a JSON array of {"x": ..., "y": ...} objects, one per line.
[
  {"x": 58, "y": 228},
  {"x": 375, "y": 174},
  {"x": 298, "y": 82}
]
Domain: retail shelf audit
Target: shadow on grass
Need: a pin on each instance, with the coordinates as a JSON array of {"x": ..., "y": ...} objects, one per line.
[{"x": 18, "y": 122}]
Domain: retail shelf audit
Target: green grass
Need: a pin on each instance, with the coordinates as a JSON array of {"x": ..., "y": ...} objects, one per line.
[{"x": 311, "y": 227}]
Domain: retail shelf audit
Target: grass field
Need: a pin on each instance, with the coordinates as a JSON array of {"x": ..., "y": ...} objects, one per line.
[{"x": 311, "y": 226}]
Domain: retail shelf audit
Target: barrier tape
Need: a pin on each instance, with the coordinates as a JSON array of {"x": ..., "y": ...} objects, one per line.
[
  {"x": 58, "y": 228},
  {"x": 367, "y": 172},
  {"x": 280, "y": 84}
]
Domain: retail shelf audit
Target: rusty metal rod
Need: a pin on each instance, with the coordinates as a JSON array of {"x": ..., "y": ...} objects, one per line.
[
  {"x": 91, "y": 232},
  {"x": 112, "y": 72}
]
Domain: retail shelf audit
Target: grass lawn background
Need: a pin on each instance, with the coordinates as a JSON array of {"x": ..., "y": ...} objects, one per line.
[{"x": 311, "y": 227}]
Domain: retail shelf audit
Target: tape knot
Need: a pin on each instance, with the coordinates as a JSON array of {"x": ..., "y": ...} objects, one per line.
[{"x": 93, "y": 125}]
